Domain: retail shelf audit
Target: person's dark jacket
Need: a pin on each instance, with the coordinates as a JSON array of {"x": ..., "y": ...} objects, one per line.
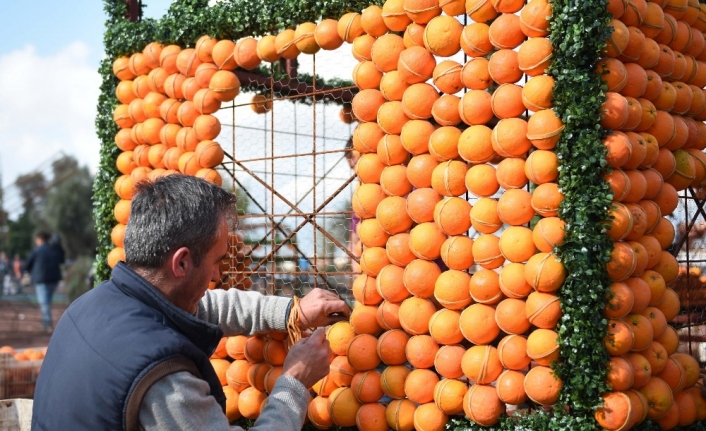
[
  {"x": 107, "y": 350},
  {"x": 44, "y": 264}
]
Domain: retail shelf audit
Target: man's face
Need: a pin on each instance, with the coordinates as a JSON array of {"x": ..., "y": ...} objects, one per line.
[
  {"x": 209, "y": 269},
  {"x": 38, "y": 241}
]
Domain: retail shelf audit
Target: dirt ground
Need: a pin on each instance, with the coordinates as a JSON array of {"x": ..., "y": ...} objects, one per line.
[{"x": 21, "y": 323}]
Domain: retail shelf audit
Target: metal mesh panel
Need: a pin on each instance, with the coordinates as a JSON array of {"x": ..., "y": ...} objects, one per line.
[
  {"x": 688, "y": 247},
  {"x": 285, "y": 139}
]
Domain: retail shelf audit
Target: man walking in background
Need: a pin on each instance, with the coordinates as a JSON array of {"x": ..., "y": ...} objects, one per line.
[{"x": 44, "y": 266}]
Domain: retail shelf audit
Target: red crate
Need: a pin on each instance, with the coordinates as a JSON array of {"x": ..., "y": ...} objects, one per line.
[{"x": 17, "y": 378}]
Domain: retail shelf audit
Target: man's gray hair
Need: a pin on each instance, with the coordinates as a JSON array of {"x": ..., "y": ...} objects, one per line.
[{"x": 172, "y": 212}]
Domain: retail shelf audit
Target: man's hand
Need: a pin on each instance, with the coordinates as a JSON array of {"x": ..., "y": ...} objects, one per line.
[
  {"x": 317, "y": 307},
  {"x": 308, "y": 360}
]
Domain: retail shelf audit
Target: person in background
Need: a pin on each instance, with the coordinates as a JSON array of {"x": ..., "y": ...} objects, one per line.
[
  {"x": 44, "y": 266},
  {"x": 17, "y": 273},
  {"x": 354, "y": 245},
  {"x": 4, "y": 272}
]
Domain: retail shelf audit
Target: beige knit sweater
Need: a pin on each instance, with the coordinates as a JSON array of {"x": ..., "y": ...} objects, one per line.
[{"x": 181, "y": 401}]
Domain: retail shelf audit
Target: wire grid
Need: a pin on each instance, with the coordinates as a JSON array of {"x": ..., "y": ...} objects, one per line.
[
  {"x": 289, "y": 164},
  {"x": 689, "y": 247}
]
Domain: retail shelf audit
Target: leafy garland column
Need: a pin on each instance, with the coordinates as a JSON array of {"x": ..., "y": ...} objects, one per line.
[{"x": 578, "y": 32}]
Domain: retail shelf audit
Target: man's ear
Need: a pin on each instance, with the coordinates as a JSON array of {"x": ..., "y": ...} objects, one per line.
[{"x": 182, "y": 262}]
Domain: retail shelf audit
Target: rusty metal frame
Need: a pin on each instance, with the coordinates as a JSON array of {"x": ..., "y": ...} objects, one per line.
[{"x": 289, "y": 89}]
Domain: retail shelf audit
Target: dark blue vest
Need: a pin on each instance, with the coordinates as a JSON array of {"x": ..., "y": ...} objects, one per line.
[{"x": 105, "y": 343}]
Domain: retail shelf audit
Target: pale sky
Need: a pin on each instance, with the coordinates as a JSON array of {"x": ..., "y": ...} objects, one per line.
[{"x": 49, "y": 84}]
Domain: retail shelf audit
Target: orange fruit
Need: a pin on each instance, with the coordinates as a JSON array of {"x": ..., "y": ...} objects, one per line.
[
  {"x": 478, "y": 324},
  {"x": 510, "y": 316},
  {"x": 505, "y": 32},
  {"x": 486, "y": 251},
  {"x": 516, "y": 244},
  {"x": 481, "y": 364},
  {"x": 618, "y": 40},
  {"x": 506, "y": 101},
  {"x": 534, "y": 56},
  {"x": 512, "y": 281},
  {"x": 642, "y": 330},
  {"x": 448, "y": 361},
  {"x": 366, "y": 200},
  {"x": 420, "y": 169},
  {"x": 445, "y": 110},
  {"x": 485, "y": 287},
  {"x": 475, "y": 75},
  {"x": 544, "y": 272},
  {"x": 620, "y": 339},
  {"x": 533, "y": 18},
  {"x": 484, "y": 216},
  {"x": 447, "y": 77},
  {"x": 425, "y": 241},
  {"x": 541, "y": 167},
  {"x": 659, "y": 397},
  {"x": 448, "y": 178},
  {"x": 510, "y": 173},
  {"x": 390, "y": 284},
  {"x": 512, "y": 351},
  {"x": 614, "y": 112},
  {"x": 504, "y": 67},
  {"x": 444, "y": 327},
  {"x": 542, "y": 386},
  {"x": 456, "y": 252},
  {"x": 642, "y": 370},
  {"x": 475, "y": 40},
  {"x": 515, "y": 207},
  {"x": 481, "y": 180},
  {"x": 451, "y": 289},
  {"x": 448, "y": 396},
  {"x": 509, "y": 137},
  {"x": 443, "y": 142},
  {"x": 414, "y": 65},
  {"x": 544, "y": 129},
  {"x": 620, "y": 301},
  {"x": 452, "y": 215},
  {"x": 420, "y": 276},
  {"x": 419, "y": 385},
  {"x": 442, "y": 36},
  {"x": 537, "y": 93},
  {"x": 475, "y": 107},
  {"x": 415, "y": 314},
  {"x": 482, "y": 405},
  {"x": 420, "y": 351},
  {"x": 616, "y": 412},
  {"x": 613, "y": 73},
  {"x": 421, "y": 203}
]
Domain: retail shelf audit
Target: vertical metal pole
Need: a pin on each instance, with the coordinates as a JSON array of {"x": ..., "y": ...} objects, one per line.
[
  {"x": 313, "y": 151},
  {"x": 688, "y": 267},
  {"x": 272, "y": 179}
]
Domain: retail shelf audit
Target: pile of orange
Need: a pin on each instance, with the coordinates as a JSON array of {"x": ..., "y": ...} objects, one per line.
[
  {"x": 248, "y": 368},
  {"x": 457, "y": 305},
  {"x": 655, "y": 71},
  {"x": 459, "y": 276}
]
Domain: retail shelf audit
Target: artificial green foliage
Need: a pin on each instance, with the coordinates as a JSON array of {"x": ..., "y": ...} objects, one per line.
[
  {"x": 578, "y": 33},
  {"x": 184, "y": 23}
]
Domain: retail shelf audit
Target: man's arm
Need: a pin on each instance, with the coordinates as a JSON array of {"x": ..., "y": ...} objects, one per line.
[
  {"x": 237, "y": 312},
  {"x": 30, "y": 261},
  {"x": 181, "y": 401}
]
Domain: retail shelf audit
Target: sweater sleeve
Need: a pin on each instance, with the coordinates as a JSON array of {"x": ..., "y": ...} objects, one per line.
[
  {"x": 181, "y": 401},
  {"x": 237, "y": 312}
]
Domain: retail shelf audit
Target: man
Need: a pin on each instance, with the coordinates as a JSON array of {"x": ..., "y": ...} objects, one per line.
[
  {"x": 44, "y": 266},
  {"x": 133, "y": 353}
]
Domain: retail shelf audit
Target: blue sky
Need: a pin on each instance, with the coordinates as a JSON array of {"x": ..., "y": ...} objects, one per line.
[
  {"x": 49, "y": 56},
  {"x": 49, "y": 24}
]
